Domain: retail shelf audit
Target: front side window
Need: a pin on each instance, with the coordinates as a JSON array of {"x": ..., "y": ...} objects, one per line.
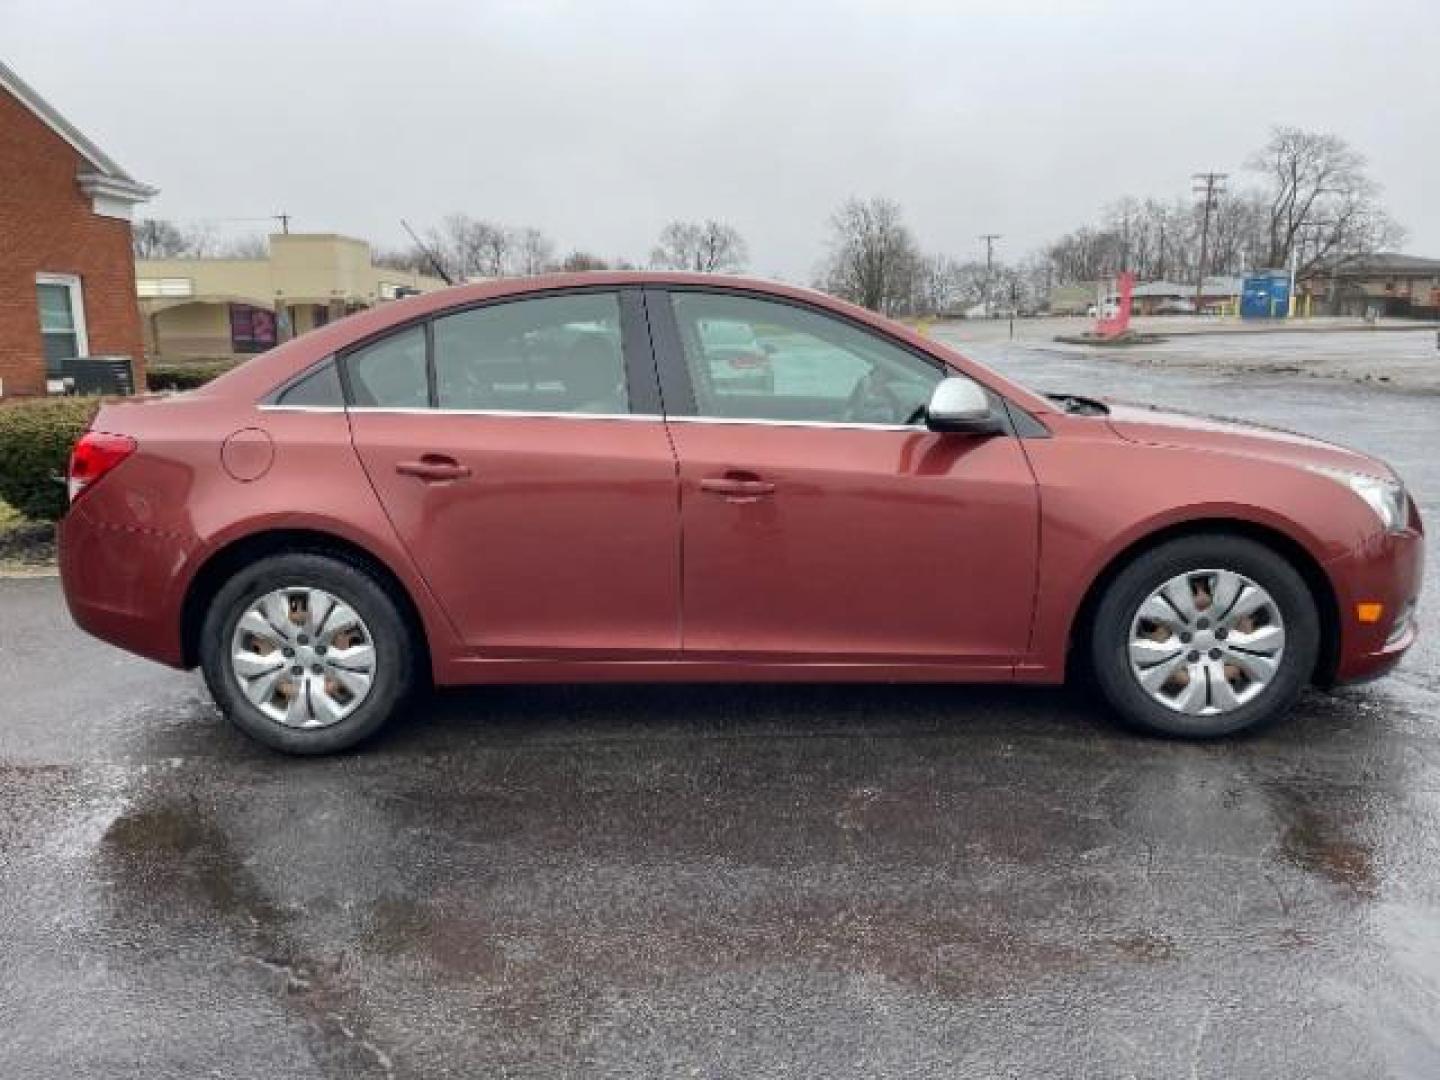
[
  {"x": 62, "y": 320},
  {"x": 752, "y": 359},
  {"x": 390, "y": 373},
  {"x": 558, "y": 354}
]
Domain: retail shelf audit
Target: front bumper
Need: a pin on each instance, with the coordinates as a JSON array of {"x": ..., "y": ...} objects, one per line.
[{"x": 1388, "y": 571}]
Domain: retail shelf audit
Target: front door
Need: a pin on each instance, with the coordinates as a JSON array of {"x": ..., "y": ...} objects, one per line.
[
  {"x": 821, "y": 522},
  {"x": 518, "y": 450}
]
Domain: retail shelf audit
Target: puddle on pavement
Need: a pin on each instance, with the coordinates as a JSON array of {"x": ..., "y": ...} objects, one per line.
[
  {"x": 165, "y": 856},
  {"x": 158, "y": 848},
  {"x": 1315, "y": 843},
  {"x": 1318, "y": 834}
]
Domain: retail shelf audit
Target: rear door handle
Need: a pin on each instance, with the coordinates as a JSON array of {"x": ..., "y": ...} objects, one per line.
[
  {"x": 737, "y": 489},
  {"x": 433, "y": 468}
]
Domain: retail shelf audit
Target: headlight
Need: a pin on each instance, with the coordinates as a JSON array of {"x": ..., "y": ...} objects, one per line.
[{"x": 1386, "y": 497}]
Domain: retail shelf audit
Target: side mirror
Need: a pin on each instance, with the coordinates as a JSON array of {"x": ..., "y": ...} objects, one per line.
[{"x": 960, "y": 404}]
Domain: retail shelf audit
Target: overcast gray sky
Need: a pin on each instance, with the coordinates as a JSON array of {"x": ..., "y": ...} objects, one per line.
[{"x": 600, "y": 121}]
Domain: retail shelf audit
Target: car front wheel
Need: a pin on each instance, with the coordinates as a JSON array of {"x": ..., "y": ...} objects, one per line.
[
  {"x": 306, "y": 653},
  {"x": 1205, "y": 636}
]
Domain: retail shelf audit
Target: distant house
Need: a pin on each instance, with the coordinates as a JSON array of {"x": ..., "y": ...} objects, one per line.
[
  {"x": 67, "y": 279},
  {"x": 1218, "y": 295},
  {"x": 201, "y": 307},
  {"x": 1072, "y": 299},
  {"x": 1163, "y": 298},
  {"x": 1384, "y": 284}
]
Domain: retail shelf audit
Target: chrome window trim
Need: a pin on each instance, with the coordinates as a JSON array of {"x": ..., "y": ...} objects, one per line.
[
  {"x": 405, "y": 410},
  {"x": 739, "y": 421},
  {"x": 856, "y": 425}
]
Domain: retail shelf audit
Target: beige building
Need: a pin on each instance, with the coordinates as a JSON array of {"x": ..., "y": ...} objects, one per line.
[{"x": 202, "y": 308}]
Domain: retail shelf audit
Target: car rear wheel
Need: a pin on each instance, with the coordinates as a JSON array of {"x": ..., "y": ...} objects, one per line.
[
  {"x": 306, "y": 653},
  {"x": 1205, "y": 636}
]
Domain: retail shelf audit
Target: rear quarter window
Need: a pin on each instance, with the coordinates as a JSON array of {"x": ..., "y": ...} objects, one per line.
[
  {"x": 390, "y": 373},
  {"x": 318, "y": 390}
]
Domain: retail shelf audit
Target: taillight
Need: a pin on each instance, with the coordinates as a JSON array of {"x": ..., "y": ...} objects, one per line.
[{"x": 94, "y": 455}]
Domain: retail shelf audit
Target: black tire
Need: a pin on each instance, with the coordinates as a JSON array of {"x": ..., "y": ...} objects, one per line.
[
  {"x": 1109, "y": 644},
  {"x": 389, "y": 633}
]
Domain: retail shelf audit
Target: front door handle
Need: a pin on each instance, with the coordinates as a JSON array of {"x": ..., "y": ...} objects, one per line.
[
  {"x": 737, "y": 488},
  {"x": 433, "y": 468}
]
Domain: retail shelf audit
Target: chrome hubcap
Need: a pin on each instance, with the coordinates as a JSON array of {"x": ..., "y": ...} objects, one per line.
[
  {"x": 1206, "y": 642},
  {"x": 303, "y": 657}
]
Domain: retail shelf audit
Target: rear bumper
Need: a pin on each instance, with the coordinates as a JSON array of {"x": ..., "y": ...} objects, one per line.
[
  {"x": 122, "y": 583},
  {"x": 1389, "y": 571}
]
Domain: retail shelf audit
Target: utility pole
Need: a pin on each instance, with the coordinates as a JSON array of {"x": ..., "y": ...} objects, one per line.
[
  {"x": 989, "y": 239},
  {"x": 284, "y": 220},
  {"x": 1206, "y": 185}
]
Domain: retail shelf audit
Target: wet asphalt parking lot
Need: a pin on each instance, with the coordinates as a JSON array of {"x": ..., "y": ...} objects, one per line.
[{"x": 730, "y": 881}]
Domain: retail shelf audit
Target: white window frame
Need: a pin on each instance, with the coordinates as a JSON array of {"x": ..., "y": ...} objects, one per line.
[{"x": 77, "y": 307}]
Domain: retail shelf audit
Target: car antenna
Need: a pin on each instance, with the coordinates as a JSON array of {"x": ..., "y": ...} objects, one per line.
[{"x": 434, "y": 262}]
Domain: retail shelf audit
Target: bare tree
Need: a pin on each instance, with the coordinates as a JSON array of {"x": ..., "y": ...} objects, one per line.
[
  {"x": 1317, "y": 186},
  {"x": 1316, "y": 202},
  {"x": 410, "y": 258},
  {"x": 495, "y": 246},
  {"x": 534, "y": 251},
  {"x": 1087, "y": 254},
  {"x": 471, "y": 247},
  {"x": 253, "y": 246},
  {"x": 943, "y": 284},
  {"x": 938, "y": 283},
  {"x": 1149, "y": 237},
  {"x": 1237, "y": 233},
  {"x": 156, "y": 238},
  {"x": 873, "y": 256},
  {"x": 708, "y": 247},
  {"x": 1037, "y": 278},
  {"x": 581, "y": 261}
]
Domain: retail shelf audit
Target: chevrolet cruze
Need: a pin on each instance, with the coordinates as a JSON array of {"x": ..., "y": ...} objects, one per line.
[{"x": 547, "y": 480}]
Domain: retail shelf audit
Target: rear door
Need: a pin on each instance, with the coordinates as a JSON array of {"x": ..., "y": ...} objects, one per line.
[
  {"x": 519, "y": 450},
  {"x": 822, "y": 522}
]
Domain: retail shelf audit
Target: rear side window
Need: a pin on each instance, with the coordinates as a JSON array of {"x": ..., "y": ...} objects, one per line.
[
  {"x": 558, "y": 354},
  {"x": 390, "y": 373},
  {"x": 318, "y": 390}
]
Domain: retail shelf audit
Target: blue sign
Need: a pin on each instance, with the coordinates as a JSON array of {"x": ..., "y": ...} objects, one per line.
[{"x": 1265, "y": 296}]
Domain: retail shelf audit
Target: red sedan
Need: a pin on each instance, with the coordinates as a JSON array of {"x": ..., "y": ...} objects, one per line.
[{"x": 546, "y": 480}]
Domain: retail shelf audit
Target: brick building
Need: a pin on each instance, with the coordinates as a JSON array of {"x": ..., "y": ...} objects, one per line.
[
  {"x": 1385, "y": 283},
  {"x": 67, "y": 274}
]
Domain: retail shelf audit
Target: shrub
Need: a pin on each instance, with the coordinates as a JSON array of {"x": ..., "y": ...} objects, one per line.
[
  {"x": 184, "y": 376},
  {"x": 35, "y": 441}
]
